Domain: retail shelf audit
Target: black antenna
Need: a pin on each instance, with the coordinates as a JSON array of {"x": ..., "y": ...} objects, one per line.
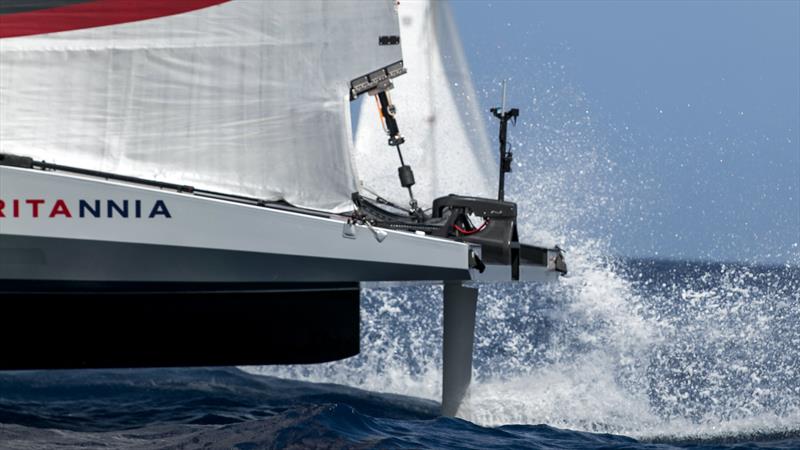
[{"x": 505, "y": 156}]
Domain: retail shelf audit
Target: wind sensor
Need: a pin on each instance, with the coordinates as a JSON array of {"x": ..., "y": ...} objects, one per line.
[{"x": 505, "y": 156}]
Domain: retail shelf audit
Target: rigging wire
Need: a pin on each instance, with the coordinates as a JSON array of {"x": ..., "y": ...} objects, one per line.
[{"x": 380, "y": 115}]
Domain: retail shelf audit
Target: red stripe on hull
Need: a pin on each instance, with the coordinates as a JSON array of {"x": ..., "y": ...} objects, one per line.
[{"x": 93, "y": 14}]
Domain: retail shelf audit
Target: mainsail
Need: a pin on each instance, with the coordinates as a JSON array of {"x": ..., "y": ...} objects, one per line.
[
  {"x": 438, "y": 111},
  {"x": 244, "y": 97}
]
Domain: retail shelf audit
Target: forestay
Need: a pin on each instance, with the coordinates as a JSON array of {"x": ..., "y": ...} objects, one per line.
[
  {"x": 438, "y": 113},
  {"x": 244, "y": 97}
]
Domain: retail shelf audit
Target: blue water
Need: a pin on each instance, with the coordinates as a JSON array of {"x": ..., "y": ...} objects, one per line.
[
  {"x": 633, "y": 354},
  {"x": 229, "y": 408}
]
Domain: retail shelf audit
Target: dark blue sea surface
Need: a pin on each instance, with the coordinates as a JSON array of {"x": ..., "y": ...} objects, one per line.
[
  {"x": 228, "y": 408},
  {"x": 640, "y": 354}
]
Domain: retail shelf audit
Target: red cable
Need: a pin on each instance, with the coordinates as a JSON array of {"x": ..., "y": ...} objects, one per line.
[{"x": 480, "y": 228}]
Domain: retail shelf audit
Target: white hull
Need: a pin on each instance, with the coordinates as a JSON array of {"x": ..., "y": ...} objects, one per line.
[{"x": 203, "y": 239}]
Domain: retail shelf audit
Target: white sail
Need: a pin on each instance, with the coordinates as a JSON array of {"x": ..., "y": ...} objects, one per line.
[
  {"x": 438, "y": 114},
  {"x": 245, "y": 97}
]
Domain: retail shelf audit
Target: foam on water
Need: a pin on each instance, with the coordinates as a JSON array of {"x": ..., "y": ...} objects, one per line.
[
  {"x": 683, "y": 360},
  {"x": 688, "y": 361},
  {"x": 644, "y": 349}
]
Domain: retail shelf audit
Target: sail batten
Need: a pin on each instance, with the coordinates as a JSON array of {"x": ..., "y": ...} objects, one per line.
[{"x": 245, "y": 97}]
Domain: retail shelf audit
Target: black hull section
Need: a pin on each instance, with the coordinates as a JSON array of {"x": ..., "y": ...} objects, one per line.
[{"x": 49, "y": 325}]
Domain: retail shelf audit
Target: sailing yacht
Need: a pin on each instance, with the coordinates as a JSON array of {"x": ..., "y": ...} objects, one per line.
[{"x": 179, "y": 184}]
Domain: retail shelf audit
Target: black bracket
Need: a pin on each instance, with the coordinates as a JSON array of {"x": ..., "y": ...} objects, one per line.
[
  {"x": 388, "y": 40},
  {"x": 16, "y": 161},
  {"x": 506, "y": 157}
]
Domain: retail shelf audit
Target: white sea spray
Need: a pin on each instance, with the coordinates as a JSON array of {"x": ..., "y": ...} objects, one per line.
[{"x": 642, "y": 348}]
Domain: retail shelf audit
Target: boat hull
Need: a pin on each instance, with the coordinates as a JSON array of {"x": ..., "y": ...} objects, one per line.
[
  {"x": 58, "y": 324},
  {"x": 113, "y": 278},
  {"x": 106, "y": 271},
  {"x": 56, "y": 226}
]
